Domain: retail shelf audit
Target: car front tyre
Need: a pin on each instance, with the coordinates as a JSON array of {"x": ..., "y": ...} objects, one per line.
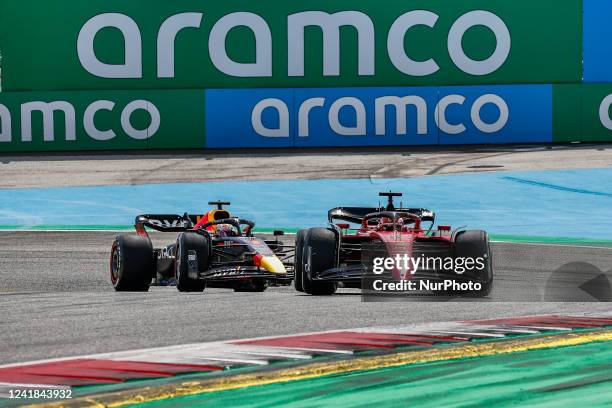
[
  {"x": 191, "y": 257},
  {"x": 318, "y": 255}
]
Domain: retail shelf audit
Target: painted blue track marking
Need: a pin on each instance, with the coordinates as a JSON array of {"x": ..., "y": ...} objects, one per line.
[
  {"x": 557, "y": 187},
  {"x": 545, "y": 203}
]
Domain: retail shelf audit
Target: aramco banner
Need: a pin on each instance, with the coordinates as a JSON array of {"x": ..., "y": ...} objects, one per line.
[
  {"x": 189, "y": 44},
  {"x": 315, "y": 117},
  {"x": 101, "y": 120}
]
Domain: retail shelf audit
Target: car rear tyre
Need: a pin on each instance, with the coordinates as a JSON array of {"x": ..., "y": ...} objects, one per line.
[
  {"x": 475, "y": 244},
  {"x": 318, "y": 255},
  {"x": 132, "y": 263},
  {"x": 297, "y": 261},
  {"x": 191, "y": 258}
]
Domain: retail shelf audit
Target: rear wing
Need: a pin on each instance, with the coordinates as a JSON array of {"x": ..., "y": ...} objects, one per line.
[
  {"x": 356, "y": 214},
  {"x": 179, "y": 223},
  {"x": 167, "y": 222}
]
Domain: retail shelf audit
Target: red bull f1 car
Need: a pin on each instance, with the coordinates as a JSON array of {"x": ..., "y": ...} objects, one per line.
[
  {"x": 325, "y": 257},
  {"x": 215, "y": 249}
]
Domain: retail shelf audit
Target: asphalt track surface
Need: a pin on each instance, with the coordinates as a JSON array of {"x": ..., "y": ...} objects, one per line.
[
  {"x": 56, "y": 300},
  {"x": 22, "y": 171}
]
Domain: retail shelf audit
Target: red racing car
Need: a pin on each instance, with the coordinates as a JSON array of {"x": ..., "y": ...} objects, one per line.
[{"x": 324, "y": 257}]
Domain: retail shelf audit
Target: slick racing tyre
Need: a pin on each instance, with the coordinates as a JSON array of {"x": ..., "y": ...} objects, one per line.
[
  {"x": 318, "y": 255},
  {"x": 191, "y": 258},
  {"x": 475, "y": 244},
  {"x": 297, "y": 261},
  {"x": 132, "y": 263},
  {"x": 255, "y": 285}
]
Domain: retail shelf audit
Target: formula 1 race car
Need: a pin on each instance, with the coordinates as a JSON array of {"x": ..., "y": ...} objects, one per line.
[
  {"x": 215, "y": 249},
  {"x": 324, "y": 257}
]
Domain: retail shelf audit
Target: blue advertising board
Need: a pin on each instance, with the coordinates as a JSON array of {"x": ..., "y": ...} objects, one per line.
[
  {"x": 365, "y": 116},
  {"x": 597, "y": 43},
  {"x": 248, "y": 118},
  {"x": 495, "y": 114},
  {"x": 326, "y": 117}
]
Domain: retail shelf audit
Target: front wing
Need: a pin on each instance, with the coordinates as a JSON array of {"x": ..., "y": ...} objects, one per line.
[{"x": 240, "y": 273}]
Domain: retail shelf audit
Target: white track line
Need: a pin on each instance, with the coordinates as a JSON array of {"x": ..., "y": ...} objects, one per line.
[{"x": 233, "y": 352}]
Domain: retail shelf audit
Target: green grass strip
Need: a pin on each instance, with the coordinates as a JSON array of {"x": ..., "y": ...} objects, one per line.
[
  {"x": 560, "y": 377},
  {"x": 107, "y": 228},
  {"x": 526, "y": 239},
  {"x": 551, "y": 240}
]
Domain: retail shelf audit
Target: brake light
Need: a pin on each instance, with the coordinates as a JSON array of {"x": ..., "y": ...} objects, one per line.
[
  {"x": 140, "y": 230},
  {"x": 444, "y": 227},
  {"x": 343, "y": 226}
]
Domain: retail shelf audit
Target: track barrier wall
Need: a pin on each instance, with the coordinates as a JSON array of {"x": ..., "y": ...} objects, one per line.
[
  {"x": 153, "y": 44},
  {"x": 101, "y": 120},
  {"x": 159, "y": 75},
  {"x": 378, "y": 116}
]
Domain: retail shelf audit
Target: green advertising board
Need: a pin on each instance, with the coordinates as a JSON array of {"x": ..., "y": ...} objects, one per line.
[
  {"x": 101, "y": 120},
  {"x": 582, "y": 113},
  {"x": 182, "y": 44}
]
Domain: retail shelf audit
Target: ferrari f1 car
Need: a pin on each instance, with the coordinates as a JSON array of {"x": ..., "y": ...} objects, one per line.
[
  {"x": 215, "y": 249},
  {"x": 325, "y": 257}
]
